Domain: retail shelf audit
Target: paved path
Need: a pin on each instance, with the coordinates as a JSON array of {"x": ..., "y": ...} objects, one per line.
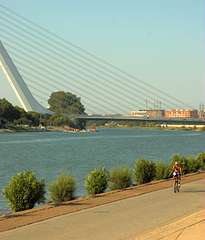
[
  {"x": 191, "y": 227},
  {"x": 120, "y": 220}
]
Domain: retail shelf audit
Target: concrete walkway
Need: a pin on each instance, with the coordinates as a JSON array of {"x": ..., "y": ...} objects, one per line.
[
  {"x": 188, "y": 228},
  {"x": 126, "y": 219}
]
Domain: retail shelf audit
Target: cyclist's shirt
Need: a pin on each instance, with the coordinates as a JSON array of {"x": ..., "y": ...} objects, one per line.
[{"x": 176, "y": 170}]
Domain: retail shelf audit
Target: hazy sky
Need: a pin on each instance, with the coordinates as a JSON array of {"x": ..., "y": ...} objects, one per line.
[{"x": 160, "y": 41}]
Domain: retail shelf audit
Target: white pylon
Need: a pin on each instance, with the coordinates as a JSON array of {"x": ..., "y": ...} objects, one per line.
[{"x": 28, "y": 102}]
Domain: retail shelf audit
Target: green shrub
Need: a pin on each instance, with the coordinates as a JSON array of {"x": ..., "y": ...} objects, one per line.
[
  {"x": 196, "y": 163},
  {"x": 24, "y": 191},
  {"x": 62, "y": 189},
  {"x": 188, "y": 164},
  {"x": 193, "y": 164},
  {"x": 182, "y": 160},
  {"x": 120, "y": 178},
  {"x": 200, "y": 158},
  {"x": 160, "y": 170},
  {"x": 144, "y": 171},
  {"x": 96, "y": 182},
  {"x": 168, "y": 172}
]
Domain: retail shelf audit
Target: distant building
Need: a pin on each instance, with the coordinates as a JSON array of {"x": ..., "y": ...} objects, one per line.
[
  {"x": 181, "y": 113},
  {"x": 151, "y": 113},
  {"x": 202, "y": 111},
  {"x": 156, "y": 113},
  {"x": 202, "y": 115},
  {"x": 139, "y": 113}
]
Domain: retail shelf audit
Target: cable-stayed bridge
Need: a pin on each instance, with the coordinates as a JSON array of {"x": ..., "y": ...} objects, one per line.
[
  {"x": 48, "y": 63},
  {"x": 160, "y": 120}
]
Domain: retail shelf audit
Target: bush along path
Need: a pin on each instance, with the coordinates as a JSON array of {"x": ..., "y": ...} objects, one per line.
[
  {"x": 24, "y": 190},
  {"x": 62, "y": 189},
  {"x": 49, "y": 211}
]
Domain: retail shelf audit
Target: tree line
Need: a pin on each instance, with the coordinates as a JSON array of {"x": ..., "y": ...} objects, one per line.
[{"x": 64, "y": 105}]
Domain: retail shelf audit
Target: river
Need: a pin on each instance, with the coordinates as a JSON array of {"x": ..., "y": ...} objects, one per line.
[{"x": 50, "y": 153}]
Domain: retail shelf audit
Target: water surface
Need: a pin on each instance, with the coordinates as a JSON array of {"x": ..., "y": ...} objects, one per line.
[{"x": 49, "y": 153}]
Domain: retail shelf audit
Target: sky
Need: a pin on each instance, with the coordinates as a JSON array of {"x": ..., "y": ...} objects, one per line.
[{"x": 161, "y": 42}]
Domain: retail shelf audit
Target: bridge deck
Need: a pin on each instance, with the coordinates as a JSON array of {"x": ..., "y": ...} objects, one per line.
[{"x": 156, "y": 120}]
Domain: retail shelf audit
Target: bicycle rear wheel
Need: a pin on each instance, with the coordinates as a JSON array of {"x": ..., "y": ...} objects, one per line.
[{"x": 176, "y": 185}]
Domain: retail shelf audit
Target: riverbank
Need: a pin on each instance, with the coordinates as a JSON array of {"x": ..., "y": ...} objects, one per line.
[
  {"x": 197, "y": 128},
  {"x": 160, "y": 127},
  {"x": 35, "y": 129},
  {"x": 31, "y": 129},
  {"x": 23, "y": 218},
  {"x": 6, "y": 131},
  {"x": 193, "y": 127}
]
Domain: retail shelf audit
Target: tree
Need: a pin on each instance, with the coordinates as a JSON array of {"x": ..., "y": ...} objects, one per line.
[
  {"x": 66, "y": 106},
  {"x": 65, "y": 103},
  {"x": 59, "y": 120},
  {"x": 8, "y": 111},
  {"x": 34, "y": 118}
]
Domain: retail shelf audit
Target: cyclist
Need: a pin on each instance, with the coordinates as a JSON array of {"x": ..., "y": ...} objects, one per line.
[{"x": 177, "y": 171}]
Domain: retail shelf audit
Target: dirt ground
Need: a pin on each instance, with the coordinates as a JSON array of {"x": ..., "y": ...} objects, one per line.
[{"x": 23, "y": 218}]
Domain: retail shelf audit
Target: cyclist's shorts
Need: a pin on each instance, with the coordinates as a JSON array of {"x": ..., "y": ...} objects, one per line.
[{"x": 176, "y": 174}]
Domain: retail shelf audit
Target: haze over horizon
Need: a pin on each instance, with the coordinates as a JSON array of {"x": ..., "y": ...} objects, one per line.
[{"x": 160, "y": 42}]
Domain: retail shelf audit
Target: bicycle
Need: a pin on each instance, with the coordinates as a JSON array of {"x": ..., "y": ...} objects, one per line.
[{"x": 176, "y": 183}]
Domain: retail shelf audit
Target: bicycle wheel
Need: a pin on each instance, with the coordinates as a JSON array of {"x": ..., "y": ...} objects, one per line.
[{"x": 175, "y": 186}]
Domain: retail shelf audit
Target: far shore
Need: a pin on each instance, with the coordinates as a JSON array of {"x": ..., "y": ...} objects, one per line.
[
  {"x": 6, "y": 130},
  {"x": 31, "y": 129},
  {"x": 61, "y": 129},
  {"x": 161, "y": 127}
]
